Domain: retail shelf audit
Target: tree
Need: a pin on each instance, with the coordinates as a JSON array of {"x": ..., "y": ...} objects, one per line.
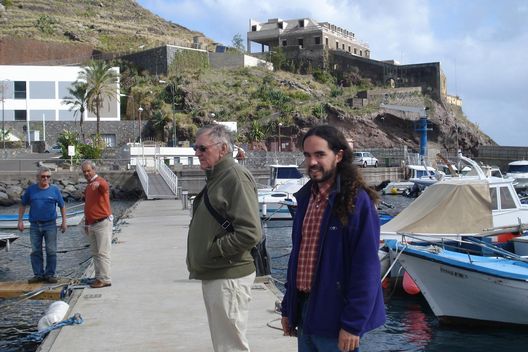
[
  {"x": 238, "y": 43},
  {"x": 101, "y": 83},
  {"x": 78, "y": 101}
]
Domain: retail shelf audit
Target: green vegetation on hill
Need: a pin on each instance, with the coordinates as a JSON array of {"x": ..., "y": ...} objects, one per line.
[{"x": 107, "y": 25}]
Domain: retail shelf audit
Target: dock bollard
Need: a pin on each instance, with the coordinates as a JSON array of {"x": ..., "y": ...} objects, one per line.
[{"x": 185, "y": 199}]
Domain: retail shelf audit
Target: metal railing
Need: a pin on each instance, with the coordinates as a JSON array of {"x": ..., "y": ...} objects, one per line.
[
  {"x": 168, "y": 176},
  {"x": 143, "y": 178}
]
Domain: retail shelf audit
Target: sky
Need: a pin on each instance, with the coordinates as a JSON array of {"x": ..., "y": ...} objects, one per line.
[{"x": 482, "y": 45}]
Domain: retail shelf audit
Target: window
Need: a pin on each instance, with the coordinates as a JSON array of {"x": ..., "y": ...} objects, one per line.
[
  {"x": 109, "y": 139},
  {"x": 326, "y": 42},
  {"x": 360, "y": 53},
  {"x": 63, "y": 89},
  {"x": 300, "y": 42},
  {"x": 284, "y": 43},
  {"x": 254, "y": 28},
  {"x": 349, "y": 48},
  {"x": 40, "y": 115},
  {"x": 41, "y": 90},
  {"x": 66, "y": 115},
  {"x": 337, "y": 45},
  {"x": 20, "y": 90},
  {"x": 343, "y": 46},
  {"x": 355, "y": 51},
  {"x": 317, "y": 40},
  {"x": 493, "y": 196},
  {"x": 280, "y": 25},
  {"x": 507, "y": 201},
  {"x": 301, "y": 23},
  {"x": 20, "y": 115}
]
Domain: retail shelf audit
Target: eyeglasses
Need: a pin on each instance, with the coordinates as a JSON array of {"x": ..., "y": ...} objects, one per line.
[
  {"x": 45, "y": 176},
  {"x": 203, "y": 148}
]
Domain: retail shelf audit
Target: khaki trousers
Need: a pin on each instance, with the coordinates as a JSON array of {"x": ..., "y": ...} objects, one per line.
[
  {"x": 100, "y": 236},
  {"x": 227, "y": 305}
]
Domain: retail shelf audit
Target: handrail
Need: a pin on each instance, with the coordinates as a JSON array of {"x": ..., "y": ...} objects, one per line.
[
  {"x": 168, "y": 176},
  {"x": 143, "y": 178}
]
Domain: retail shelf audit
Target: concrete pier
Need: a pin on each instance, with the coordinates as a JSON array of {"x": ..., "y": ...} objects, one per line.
[{"x": 152, "y": 305}]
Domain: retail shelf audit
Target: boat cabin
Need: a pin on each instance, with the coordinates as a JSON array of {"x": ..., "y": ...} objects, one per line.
[{"x": 280, "y": 174}]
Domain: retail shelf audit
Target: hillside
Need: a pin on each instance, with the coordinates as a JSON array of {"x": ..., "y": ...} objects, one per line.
[
  {"x": 260, "y": 100},
  {"x": 105, "y": 25}
]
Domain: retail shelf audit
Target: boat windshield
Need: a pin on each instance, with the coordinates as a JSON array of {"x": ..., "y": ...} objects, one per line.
[
  {"x": 518, "y": 168},
  {"x": 288, "y": 172}
]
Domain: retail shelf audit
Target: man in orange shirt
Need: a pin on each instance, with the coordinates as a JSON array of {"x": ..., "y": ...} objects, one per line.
[{"x": 98, "y": 223}]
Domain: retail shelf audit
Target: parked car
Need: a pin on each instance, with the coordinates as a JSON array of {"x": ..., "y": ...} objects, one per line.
[
  {"x": 54, "y": 149},
  {"x": 364, "y": 159}
]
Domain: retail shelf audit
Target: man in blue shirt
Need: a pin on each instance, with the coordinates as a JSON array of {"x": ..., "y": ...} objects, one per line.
[{"x": 43, "y": 199}]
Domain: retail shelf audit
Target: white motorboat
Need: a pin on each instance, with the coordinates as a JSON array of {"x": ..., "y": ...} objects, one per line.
[
  {"x": 10, "y": 221},
  {"x": 283, "y": 182},
  {"x": 462, "y": 206},
  {"x": 461, "y": 287},
  {"x": 518, "y": 170}
]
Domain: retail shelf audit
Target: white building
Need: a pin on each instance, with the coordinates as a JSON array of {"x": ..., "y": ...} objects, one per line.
[{"x": 36, "y": 93}]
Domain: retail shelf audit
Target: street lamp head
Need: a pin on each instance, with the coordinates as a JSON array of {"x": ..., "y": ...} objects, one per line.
[
  {"x": 162, "y": 81},
  {"x": 140, "y": 109},
  {"x": 280, "y": 124}
]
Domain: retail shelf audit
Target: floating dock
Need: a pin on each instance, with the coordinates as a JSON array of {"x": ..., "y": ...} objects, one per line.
[{"x": 152, "y": 305}]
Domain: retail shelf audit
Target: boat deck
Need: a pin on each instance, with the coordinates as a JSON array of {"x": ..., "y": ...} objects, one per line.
[{"x": 152, "y": 305}]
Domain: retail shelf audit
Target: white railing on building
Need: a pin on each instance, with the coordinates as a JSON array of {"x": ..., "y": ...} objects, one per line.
[{"x": 166, "y": 173}]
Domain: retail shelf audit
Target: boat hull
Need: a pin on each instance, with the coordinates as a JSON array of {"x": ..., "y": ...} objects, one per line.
[
  {"x": 450, "y": 290},
  {"x": 71, "y": 220}
]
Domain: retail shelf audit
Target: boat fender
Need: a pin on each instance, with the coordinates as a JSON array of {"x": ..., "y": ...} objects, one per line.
[
  {"x": 409, "y": 285},
  {"x": 55, "y": 313}
]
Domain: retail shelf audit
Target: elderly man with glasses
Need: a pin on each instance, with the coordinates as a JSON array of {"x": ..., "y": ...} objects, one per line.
[
  {"x": 219, "y": 246},
  {"x": 43, "y": 199}
]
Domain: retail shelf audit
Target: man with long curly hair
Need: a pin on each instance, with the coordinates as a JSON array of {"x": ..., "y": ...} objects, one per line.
[{"x": 333, "y": 289}]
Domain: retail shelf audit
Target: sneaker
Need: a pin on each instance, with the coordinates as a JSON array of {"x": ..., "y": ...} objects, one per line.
[
  {"x": 35, "y": 280},
  {"x": 51, "y": 279}
]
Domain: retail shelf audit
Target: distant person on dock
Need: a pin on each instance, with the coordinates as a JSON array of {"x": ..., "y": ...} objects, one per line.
[
  {"x": 98, "y": 222},
  {"x": 43, "y": 199},
  {"x": 220, "y": 255},
  {"x": 333, "y": 289}
]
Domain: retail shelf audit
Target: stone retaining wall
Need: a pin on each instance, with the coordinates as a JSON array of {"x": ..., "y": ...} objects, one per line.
[{"x": 123, "y": 185}]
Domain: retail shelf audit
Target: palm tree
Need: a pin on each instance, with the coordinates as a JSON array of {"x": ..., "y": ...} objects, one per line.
[
  {"x": 78, "y": 101},
  {"x": 101, "y": 83}
]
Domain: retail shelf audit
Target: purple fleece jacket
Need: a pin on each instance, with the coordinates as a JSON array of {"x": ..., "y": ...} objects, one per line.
[{"x": 346, "y": 290}]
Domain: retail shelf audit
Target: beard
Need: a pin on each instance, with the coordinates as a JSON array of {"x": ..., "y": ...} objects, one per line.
[{"x": 325, "y": 174}]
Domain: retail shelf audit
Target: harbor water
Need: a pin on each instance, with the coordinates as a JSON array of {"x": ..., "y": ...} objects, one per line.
[
  {"x": 410, "y": 326},
  {"x": 19, "y": 320}
]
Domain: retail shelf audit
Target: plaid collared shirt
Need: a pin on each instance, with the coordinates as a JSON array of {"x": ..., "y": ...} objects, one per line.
[{"x": 310, "y": 237}]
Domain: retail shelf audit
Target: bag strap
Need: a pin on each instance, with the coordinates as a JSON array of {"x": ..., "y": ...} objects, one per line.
[{"x": 226, "y": 224}]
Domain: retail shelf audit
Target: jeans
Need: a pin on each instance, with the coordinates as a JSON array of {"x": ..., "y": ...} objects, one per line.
[
  {"x": 38, "y": 233},
  {"x": 313, "y": 343}
]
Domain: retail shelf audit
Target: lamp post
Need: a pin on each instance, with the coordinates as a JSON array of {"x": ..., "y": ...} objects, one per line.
[
  {"x": 140, "y": 110},
  {"x": 172, "y": 90},
  {"x": 3, "y": 91},
  {"x": 280, "y": 125},
  {"x": 140, "y": 140}
]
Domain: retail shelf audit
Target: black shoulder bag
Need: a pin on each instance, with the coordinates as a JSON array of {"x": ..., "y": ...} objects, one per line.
[{"x": 259, "y": 252}]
